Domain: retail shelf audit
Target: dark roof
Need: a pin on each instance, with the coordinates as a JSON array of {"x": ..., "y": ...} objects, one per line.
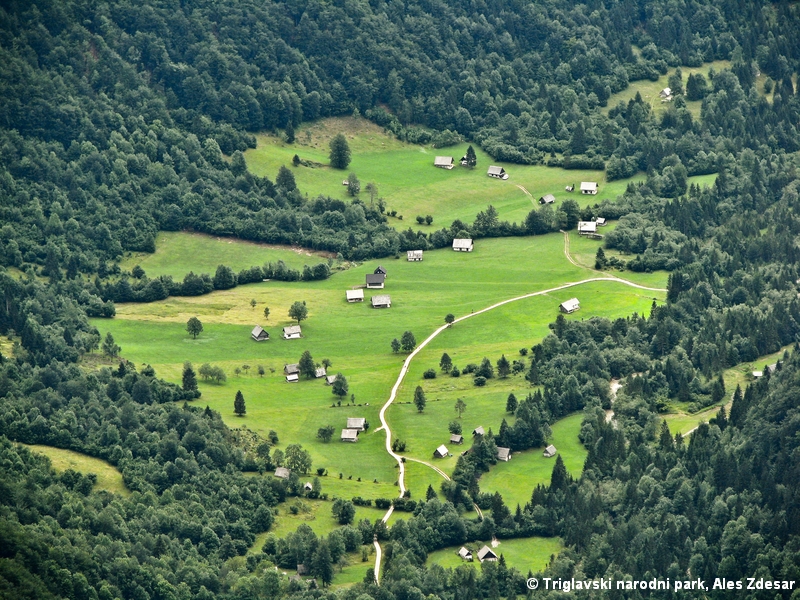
[
  {"x": 456, "y": 438},
  {"x": 380, "y": 270},
  {"x": 290, "y": 369},
  {"x": 373, "y": 278}
]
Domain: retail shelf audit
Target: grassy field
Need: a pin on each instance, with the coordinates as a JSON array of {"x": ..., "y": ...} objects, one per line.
[
  {"x": 527, "y": 554},
  {"x": 650, "y": 89},
  {"x": 108, "y": 478},
  {"x": 179, "y": 252},
  {"x": 408, "y": 181},
  {"x": 516, "y": 478},
  {"x": 356, "y": 339}
]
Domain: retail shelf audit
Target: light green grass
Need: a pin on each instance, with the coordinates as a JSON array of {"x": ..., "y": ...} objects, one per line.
[
  {"x": 526, "y": 554},
  {"x": 742, "y": 374},
  {"x": 357, "y": 339},
  {"x": 516, "y": 478},
  {"x": 108, "y": 478},
  {"x": 650, "y": 89},
  {"x": 177, "y": 253},
  {"x": 408, "y": 181}
]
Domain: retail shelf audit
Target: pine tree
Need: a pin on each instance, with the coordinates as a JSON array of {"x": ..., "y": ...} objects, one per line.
[
  {"x": 419, "y": 399},
  {"x": 189, "y": 377},
  {"x": 560, "y": 478},
  {"x": 430, "y": 493},
  {"x": 503, "y": 367},
  {"x": 307, "y": 366},
  {"x": 340, "y": 152},
  {"x": 238, "y": 404},
  {"x": 340, "y": 386},
  {"x": 321, "y": 563},
  {"x": 289, "y": 130},
  {"x": 408, "y": 341},
  {"x": 738, "y": 408},
  {"x": 395, "y": 345},
  {"x": 600, "y": 260},
  {"x": 285, "y": 179},
  {"x": 446, "y": 363},
  {"x": 472, "y": 159},
  {"x": 511, "y": 404}
]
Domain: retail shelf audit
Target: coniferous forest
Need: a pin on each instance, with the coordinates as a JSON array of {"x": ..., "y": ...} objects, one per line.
[{"x": 119, "y": 120}]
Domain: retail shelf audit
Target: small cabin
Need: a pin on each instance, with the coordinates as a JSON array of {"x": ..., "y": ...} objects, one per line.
[
  {"x": 503, "y": 454},
  {"x": 293, "y": 332},
  {"x": 570, "y": 187},
  {"x": 357, "y": 423},
  {"x": 349, "y": 435},
  {"x": 570, "y": 306},
  {"x": 665, "y": 94},
  {"x": 486, "y": 554},
  {"x": 382, "y": 301},
  {"x": 587, "y": 227},
  {"x": 550, "y": 451},
  {"x": 293, "y": 378},
  {"x": 282, "y": 473},
  {"x": 293, "y": 369},
  {"x": 601, "y": 221},
  {"x": 478, "y": 431},
  {"x": 547, "y": 199},
  {"x": 258, "y": 334},
  {"x": 462, "y": 245},
  {"x": 444, "y": 162},
  {"x": 441, "y": 452},
  {"x": 355, "y": 295},
  {"x": 465, "y": 554},
  {"x": 308, "y": 486},
  {"x": 414, "y": 255},
  {"x": 330, "y": 379},
  {"x": 456, "y": 439},
  {"x": 375, "y": 281},
  {"x": 497, "y": 172},
  {"x": 589, "y": 187},
  {"x": 320, "y": 372},
  {"x": 379, "y": 270}
]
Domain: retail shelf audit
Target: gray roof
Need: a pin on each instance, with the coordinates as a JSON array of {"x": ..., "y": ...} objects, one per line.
[
  {"x": 456, "y": 438},
  {"x": 291, "y": 329},
  {"x": 380, "y": 269},
  {"x": 547, "y": 199},
  {"x": 478, "y": 431},
  {"x": 503, "y": 453},
  {"x": 382, "y": 300},
  {"x": 293, "y": 368},
  {"x": 464, "y": 553},
  {"x": 486, "y": 553},
  {"x": 356, "y": 423},
  {"x": 282, "y": 473},
  {"x": 349, "y": 434},
  {"x": 414, "y": 254},
  {"x": 375, "y": 278},
  {"x": 320, "y": 372},
  {"x": 443, "y": 161},
  {"x": 441, "y": 451},
  {"x": 493, "y": 170},
  {"x": 462, "y": 242},
  {"x": 571, "y": 304},
  {"x": 329, "y": 379},
  {"x": 550, "y": 451},
  {"x": 258, "y": 332},
  {"x": 587, "y": 226},
  {"x": 589, "y": 185},
  {"x": 355, "y": 294},
  {"x": 294, "y": 377}
]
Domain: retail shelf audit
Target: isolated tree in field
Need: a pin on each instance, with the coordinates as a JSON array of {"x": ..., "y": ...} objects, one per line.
[
  {"x": 428, "y": 219},
  {"x": 503, "y": 367},
  {"x": 600, "y": 260},
  {"x": 460, "y": 407},
  {"x": 454, "y": 427},
  {"x": 238, "y": 404},
  {"x": 296, "y": 160},
  {"x": 353, "y": 185},
  {"x": 511, "y": 404},
  {"x": 298, "y": 311},
  {"x": 445, "y": 364},
  {"x": 395, "y": 345},
  {"x": 285, "y": 179},
  {"x": 253, "y": 303},
  {"x": 408, "y": 341},
  {"x": 289, "y": 131},
  {"x": 189, "y": 379},
  {"x": 110, "y": 348},
  {"x": 472, "y": 159},
  {"x": 266, "y": 312},
  {"x": 261, "y": 370},
  {"x": 194, "y": 327},
  {"x": 419, "y": 399},
  {"x": 344, "y": 511},
  {"x": 372, "y": 190},
  {"x": 246, "y": 369},
  {"x": 308, "y": 367},
  {"x": 340, "y": 386},
  {"x": 297, "y": 459},
  {"x": 325, "y": 433},
  {"x": 326, "y": 362},
  {"x": 449, "y": 318},
  {"x": 340, "y": 152}
]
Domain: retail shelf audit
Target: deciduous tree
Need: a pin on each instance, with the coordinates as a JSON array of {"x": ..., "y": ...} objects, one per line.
[
  {"x": 419, "y": 399},
  {"x": 340, "y": 152},
  {"x": 298, "y": 311},
  {"x": 194, "y": 327}
]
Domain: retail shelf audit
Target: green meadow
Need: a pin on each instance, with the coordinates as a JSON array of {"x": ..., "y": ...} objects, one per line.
[
  {"x": 108, "y": 478},
  {"x": 178, "y": 252},
  {"x": 526, "y": 554},
  {"x": 356, "y": 338},
  {"x": 408, "y": 181}
]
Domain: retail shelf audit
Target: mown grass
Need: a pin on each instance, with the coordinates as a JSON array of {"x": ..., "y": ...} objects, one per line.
[
  {"x": 179, "y": 252},
  {"x": 357, "y": 339},
  {"x": 108, "y": 478},
  {"x": 650, "y": 89},
  {"x": 516, "y": 478},
  {"x": 526, "y": 554},
  {"x": 408, "y": 181}
]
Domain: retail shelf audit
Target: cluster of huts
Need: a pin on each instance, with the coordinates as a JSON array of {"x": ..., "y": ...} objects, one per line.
[
  {"x": 447, "y": 162},
  {"x": 292, "y": 332},
  {"x": 355, "y": 425},
  {"x": 503, "y": 453},
  {"x": 374, "y": 281},
  {"x": 485, "y": 554},
  {"x": 292, "y": 373}
]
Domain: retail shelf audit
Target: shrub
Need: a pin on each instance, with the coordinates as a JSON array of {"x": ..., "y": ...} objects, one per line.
[
  {"x": 455, "y": 372},
  {"x": 429, "y": 374},
  {"x": 480, "y": 381},
  {"x": 383, "y": 503},
  {"x": 470, "y": 368}
]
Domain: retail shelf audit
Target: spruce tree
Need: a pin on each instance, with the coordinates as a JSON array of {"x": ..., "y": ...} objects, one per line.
[
  {"x": 503, "y": 367},
  {"x": 189, "y": 377},
  {"x": 472, "y": 159},
  {"x": 419, "y": 399},
  {"x": 560, "y": 478},
  {"x": 600, "y": 260},
  {"x": 238, "y": 404},
  {"x": 511, "y": 404},
  {"x": 308, "y": 367},
  {"x": 446, "y": 363},
  {"x": 321, "y": 563}
]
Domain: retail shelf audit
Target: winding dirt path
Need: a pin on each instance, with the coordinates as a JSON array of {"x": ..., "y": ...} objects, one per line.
[{"x": 428, "y": 340}]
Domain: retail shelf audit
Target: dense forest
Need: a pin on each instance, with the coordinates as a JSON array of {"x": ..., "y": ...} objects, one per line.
[{"x": 118, "y": 121}]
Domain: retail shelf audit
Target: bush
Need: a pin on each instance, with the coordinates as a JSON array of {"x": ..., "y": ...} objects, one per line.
[
  {"x": 383, "y": 503},
  {"x": 470, "y": 368},
  {"x": 429, "y": 374},
  {"x": 480, "y": 381},
  {"x": 454, "y": 372}
]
